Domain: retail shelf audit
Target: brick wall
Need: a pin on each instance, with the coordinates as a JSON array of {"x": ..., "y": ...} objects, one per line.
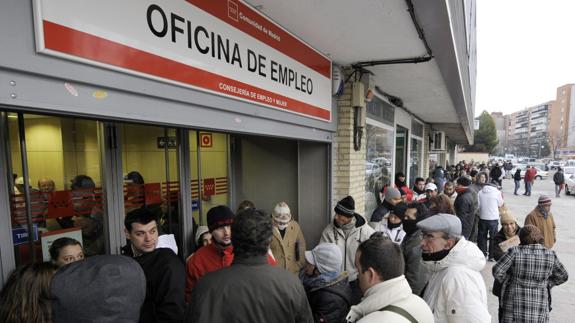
[{"x": 348, "y": 164}]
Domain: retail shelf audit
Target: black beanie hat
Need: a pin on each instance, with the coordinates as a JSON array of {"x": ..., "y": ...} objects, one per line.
[
  {"x": 464, "y": 181},
  {"x": 219, "y": 216},
  {"x": 345, "y": 207}
]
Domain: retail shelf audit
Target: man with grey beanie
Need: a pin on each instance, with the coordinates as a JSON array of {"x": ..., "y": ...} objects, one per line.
[
  {"x": 326, "y": 286},
  {"x": 456, "y": 290},
  {"x": 392, "y": 197}
]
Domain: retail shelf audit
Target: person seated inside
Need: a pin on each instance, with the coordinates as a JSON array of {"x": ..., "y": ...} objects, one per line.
[{"x": 66, "y": 250}]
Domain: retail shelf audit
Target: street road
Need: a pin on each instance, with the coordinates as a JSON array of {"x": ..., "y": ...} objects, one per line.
[{"x": 563, "y": 210}]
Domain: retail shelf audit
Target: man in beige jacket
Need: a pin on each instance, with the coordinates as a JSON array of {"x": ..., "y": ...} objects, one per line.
[
  {"x": 288, "y": 243},
  {"x": 542, "y": 218}
]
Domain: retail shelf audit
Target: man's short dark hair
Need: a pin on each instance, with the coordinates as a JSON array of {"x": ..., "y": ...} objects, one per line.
[
  {"x": 251, "y": 233},
  {"x": 383, "y": 255},
  {"x": 141, "y": 216},
  {"x": 422, "y": 210},
  {"x": 82, "y": 182},
  {"x": 419, "y": 179}
]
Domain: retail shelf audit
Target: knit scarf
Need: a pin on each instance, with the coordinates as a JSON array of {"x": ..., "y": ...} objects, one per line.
[
  {"x": 348, "y": 227},
  {"x": 543, "y": 211}
]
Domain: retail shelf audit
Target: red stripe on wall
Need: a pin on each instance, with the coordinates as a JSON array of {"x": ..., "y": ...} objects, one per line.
[
  {"x": 66, "y": 40},
  {"x": 288, "y": 44}
]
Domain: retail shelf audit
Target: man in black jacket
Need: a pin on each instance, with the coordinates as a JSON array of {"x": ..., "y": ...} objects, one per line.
[
  {"x": 250, "y": 290},
  {"x": 164, "y": 271},
  {"x": 466, "y": 206},
  {"x": 559, "y": 180}
]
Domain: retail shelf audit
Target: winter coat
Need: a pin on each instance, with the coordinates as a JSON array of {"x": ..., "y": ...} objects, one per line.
[
  {"x": 517, "y": 175},
  {"x": 466, "y": 206},
  {"x": 496, "y": 173},
  {"x": 380, "y": 212},
  {"x": 499, "y": 238},
  {"x": 547, "y": 226},
  {"x": 530, "y": 175},
  {"x": 527, "y": 271},
  {"x": 207, "y": 259},
  {"x": 330, "y": 302},
  {"x": 250, "y": 290},
  {"x": 98, "y": 289},
  {"x": 348, "y": 244},
  {"x": 165, "y": 283},
  {"x": 559, "y": 178},
  {"x": 289, "y": 250},
  {"x": 415, "y": 273},
  {"x": 395, "y": 292},
  {"x": 452, "y": 197},
  {"x": 490, "y": 199},
  {"x": 456, "y": 290},
  {"x": 396, "y": 234}
]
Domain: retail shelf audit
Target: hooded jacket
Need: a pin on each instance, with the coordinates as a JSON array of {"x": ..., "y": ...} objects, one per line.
[
  {"x": 456, "y": 291},
  {"x": 490, "y": 199},
  {"x": 81, "y": 291},
  {"x": 395, "y": 292},
  {"x": 330, "y": 301},
  {"x": 348, "y": 244}
]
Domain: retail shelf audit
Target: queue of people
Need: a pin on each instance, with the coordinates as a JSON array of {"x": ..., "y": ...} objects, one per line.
[{"x": 418, "y": 259}]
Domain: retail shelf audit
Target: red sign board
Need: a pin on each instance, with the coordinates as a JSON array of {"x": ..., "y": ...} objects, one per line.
[{"x": 209, "y": 187}]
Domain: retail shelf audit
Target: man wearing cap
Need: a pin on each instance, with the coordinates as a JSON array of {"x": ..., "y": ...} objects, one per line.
[
  {"x": 387, "y": 296},
  {"x": 456, "y": 290},
  {"x": 217, "y": 255},
  {"x": 250, "y": 290},
  {"x": 430, "y": 191},
  {"x": 392, "y": 197},
  {"x": 466, "y": 206},
  {"x": 326, "y": 286},
  {"x": 542, "y": 218},
  {"x": 347, "y": 230}
]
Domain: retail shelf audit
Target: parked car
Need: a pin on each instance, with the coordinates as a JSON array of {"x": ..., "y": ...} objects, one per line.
[
  {"x": 541, "y": 174},
  {"x": 569, "y": 174},
  {"x": 371, "y": 169},
  {"x": 555, "y": 164},
  {"x": 542, "y": 166}
]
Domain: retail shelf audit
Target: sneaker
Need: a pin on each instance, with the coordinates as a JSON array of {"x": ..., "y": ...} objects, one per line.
[{"x": 491, "y": 259}]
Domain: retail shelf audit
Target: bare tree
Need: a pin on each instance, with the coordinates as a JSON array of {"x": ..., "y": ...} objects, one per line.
[{"x": 554, "y": 142}]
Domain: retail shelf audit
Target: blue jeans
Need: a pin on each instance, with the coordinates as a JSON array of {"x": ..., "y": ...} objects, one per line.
[
  {"x": 486, "y": 227},
  {"x": 517, "y": 185},
  {"x": 528, "y": 187}
]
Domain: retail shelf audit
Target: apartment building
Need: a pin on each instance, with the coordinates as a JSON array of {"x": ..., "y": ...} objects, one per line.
[{"x": 562, "y": 122}]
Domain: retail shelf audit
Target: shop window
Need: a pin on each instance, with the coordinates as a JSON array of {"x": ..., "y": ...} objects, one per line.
[
  {"x": 378, "y": 164},
  {"x": 415, "y": 161},
  {"x": 64, "y": 185}
]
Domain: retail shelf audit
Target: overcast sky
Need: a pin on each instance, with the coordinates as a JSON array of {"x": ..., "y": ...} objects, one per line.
[{"x": 525, "y": 50}]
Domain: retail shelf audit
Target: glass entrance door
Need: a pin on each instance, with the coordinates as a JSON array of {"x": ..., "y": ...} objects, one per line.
[
  {"x": 55, "y": 184},
  {"x": 150, "y": 174},
  {"x": 400, "y": 150}
]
